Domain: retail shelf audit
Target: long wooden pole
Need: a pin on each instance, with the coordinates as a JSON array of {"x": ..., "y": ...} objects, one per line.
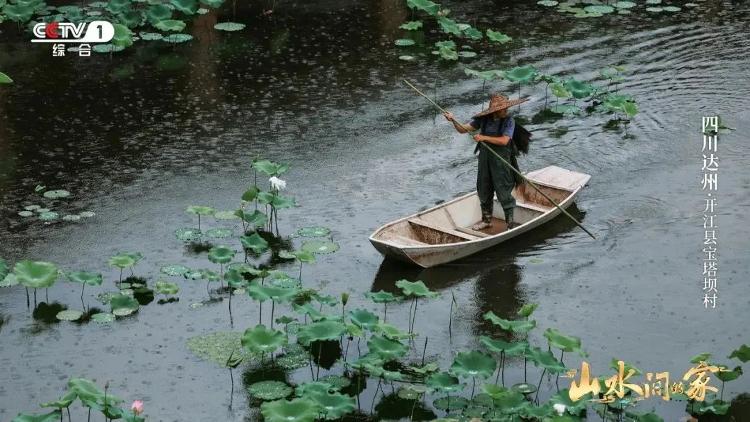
[{"x": 532, "y": 184}]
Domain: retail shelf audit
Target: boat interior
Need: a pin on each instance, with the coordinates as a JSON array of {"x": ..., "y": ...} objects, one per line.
[{"x": 452, "y": 222}]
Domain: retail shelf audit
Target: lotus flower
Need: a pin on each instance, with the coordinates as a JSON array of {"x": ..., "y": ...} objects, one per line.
[
  {"x": 559, "y": 408},
  {"x": 276, "y": 183},
  {"x": 137, "y": 407}
]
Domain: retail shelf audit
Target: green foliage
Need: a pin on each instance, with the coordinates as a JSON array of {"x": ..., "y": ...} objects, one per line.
[
  {"x": 229, "y": 26},
  {"x": 35, "y": 274},
  {"x": 263, "y": 340}
]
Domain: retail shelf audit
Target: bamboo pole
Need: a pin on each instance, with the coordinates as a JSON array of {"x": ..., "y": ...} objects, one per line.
[{"x": 532, "y": 184}]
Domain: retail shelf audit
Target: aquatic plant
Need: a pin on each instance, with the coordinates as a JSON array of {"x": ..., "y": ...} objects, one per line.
[
  {"x": 383, "y": 297},
  {"x": 296, "y": 410},
  {"x": 414, "y": 290},
  {"x": 302, "y": 256},
  {"x": 263, "y": 340},
  {"x": 473, "y": 364},
  {"x": 35, "y": 275},
  {"x": 84, "y": 278},
  {"x": 5, "y": 79},
  {"x": 125, "y": 260},
  {"x": 199, "y": 210}
]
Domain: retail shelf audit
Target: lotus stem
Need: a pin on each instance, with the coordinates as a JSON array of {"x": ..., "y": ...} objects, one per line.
[
  {"x": 375, "y": 396},
  {"x": 68, "y": 409},
  {"x": 450, "y": 321},
  {"x": 473, "y": 384},
  {"x": 385, "y": 311},
  {"x": 320, "y": 352},
  {"x": 120, "y": 276},
  {"x": 524, "y": 368},
  {"x": 273, "y": 306},
  {"x": 46, "y": 294},
  {"x": 231, "y": 319},
  {"x": 721, "y": 395},
  {"x": 199, "y": 221},
  {"x": 424, "y": 350},
  {"x": 411, "y": 415},
  {"x": 540, "y": 384},
  {"x": 34, "y": 297},
  {"x": 231, "y": 392},
  {"x": 28, "y": 301}
]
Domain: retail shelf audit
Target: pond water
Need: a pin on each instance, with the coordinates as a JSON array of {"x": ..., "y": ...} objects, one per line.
[{"x": 142, "y": 135}]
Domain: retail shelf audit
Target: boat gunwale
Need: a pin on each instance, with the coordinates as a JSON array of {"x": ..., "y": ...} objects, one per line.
[{"x": 563, "y": 204}]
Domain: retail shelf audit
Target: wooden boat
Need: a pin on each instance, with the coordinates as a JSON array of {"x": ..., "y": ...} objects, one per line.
[{"x": 443, "y": 233}]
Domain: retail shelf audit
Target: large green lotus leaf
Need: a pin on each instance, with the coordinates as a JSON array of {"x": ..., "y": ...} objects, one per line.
[
  {"x": 187, "y": 7},
  {"x": 130, "y": 18},
  {"x": 415, "y": 289},
  {"x": 565, "y": 109},
  {"x": 125, "y": 259},
  {"x": 123, "y": 305},
  {"x": 219, "y": 232},
  {"x": 527, "y": 309},
  {"x": 250, "y": 194},
  {"x": 701, "y": 357},
  {"x": 65, "y": 401},
  {"x": 294, "y": 357},
  {"x": 60, "y": 193},
  {"x": 520, "y": 326},
  {"x": 509, "y": 348},
  {"x": 320, "y": 246},
  {"x": 262, "y": 293},
  {"x": 158, "y": 12},
  {"x": 187, "y": 234},
  {"x": 103, "y": 317},
  {"x": 450, "y": 404},
  {"x": 599, "y": 9},
  {"x": 69, "y": 315},
  {"x": 726, "y": 375},
  {"x": 509, "y": 401},
  {"x": 297, "y": 410},
  {"x": 497, "y": 37},
  {"x": 579, "y": 89},
  {"x": 229, "y": 26},
  {"x": 175, "y": 26},
  {"x": 107, "y": 48},
  {"x": 486, "y": 75},
  {"x": 427, "y": 6},
  {"x": 177, "y": 38},
  {"x": 235, "y": 279},
  {"x": 471, "y": 32},
  {"x": 630, "y": 109},
  {"x": 166, "y": 288},
  {"x": 742, "y": 353},
  {"x": 269, "y": 390},
  {"x": 545, "y": 359},
  {"x": 382, "y": 297},
  {"x": 446, "y": 44},
  {"x": 717, "y": 407},
  {"x": 364, "y": 319},
  {"x": 266, "y": 198},
  {"x": 49, "y": 216},
  {"x": 449, "y": 26},
  {"x": 200, "y": 210},
  {"x": 313, "y": 387},
  {"x": 5, "y": 79},
  {"x": 314, "y": 231},
  {"x": 473, "y": 364},
  {"x": 85, "y": 389},
  {"x": 255, "y": 243},
  {"x": 118, "y": 6},
  {"x": 336, "y": 382},
  {"x": 270, "y": 168},
  {"x": 123, "y": 37},
  {"x": 559, "y": 90},
  {"x": 411, "y": 25},
  {"x": 333, "y": 405},
  {"x": 321, "y": 331},
  {"x": 83, "y": 277},
  {"x": 225, "y": 215},
  {"x": 282, "y": 202},
  {"x": 255, "y": 218},
  {"x": 53, "y": 416},
  {"x": 263, "y": 340},
  {"x": 521, "y": 74},
  {"x": 221, "y": 254},
  {"x": 560, "y": 341},
  {"x": 444, "y": 382},
  {"x": 174, "y": 270},
  {"x": 309, "y": 310},
  {"x": 35, "y": 274},
  {"x": 386, "y": 348}
]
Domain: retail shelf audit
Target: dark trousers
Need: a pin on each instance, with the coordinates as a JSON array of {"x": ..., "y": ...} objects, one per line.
[{"x": 493, "y": 177}]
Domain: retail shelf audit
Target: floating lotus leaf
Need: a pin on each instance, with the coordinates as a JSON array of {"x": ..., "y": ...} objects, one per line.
[
  {"x": 411, "y": 25},
  {"x": 446, "y": 53},
  {"x": 166, "y": 288},
  {"x": 31, "y": 207},
  {"x": 87, "y": 214},
  {"x": 221, "y": 254},
  {"x": 624, "y": 4},
  {"x": 386, "y": 348},
  {"x": 527, "y": 309},
  {"x": 407, "y": 58},
  {"x": 187, "y": 7},
  {"x": 174, "y": 270},
  {"x": 364, "y": 319},
  {"x": 226, "y": 215},
  {"x": 49, "y": 216},
  {"x": 54, "y": 194},
  {"x": 177, "y": 38},
  {"x": 524, "y": 388},
  {"x": 548, "y": 3},
  {"x": 601, "y": 9},
  {"x": 320, "y": 246},
  {"x": 427, "y": 6},
  {"x": 579, "y": 89},
  {"x": 229, "y": 26},
  {"x": 560, "y": 341},
  {"x": 336, "y": 382},
  {"x": 25, "y": 213},
  {"x": 449, "y": 404},
  {"x": 415, "y": 289},
  {"x": 123, "y": 305},
  {"x": 473, "y": 364},
  {"x": 444, "y": 382},
  {"x": 294, "y": 357},
  {"x": 717, "y": 407},
  {"x": 212, "y": 3},
  {"x": 565, "y": 109},
  {"x": 269, "y": 390},
  {"x": 297, "y": 410},
  {"x": 545, "y": 359},
  {"x": 123, "y": 37},
  {"x": 69, "y": 315},
  {"x": 218, "y": 347},
  {"x": 35, "y": 274},
  {"x": 269, "y": 168},
  {"x": 498, "y": 37},
  {"x": 382, "y": 297},
  {"x": 151, "y": 36},
  {"x": 321, "y": 331},
  {"x": 42, "y": 210},
  {"x": 255, "y": 243},
  {"x": 467, "y": 54},
  {"x": 262, "y": 340},
  {"x": 71, "y": 217},
  {"x": 472, "y": 33},
  {"x": 200, "y": 210},
  {"x": 219, "y": 233},
  {"x": 426, "y": 369},
  {"x": 313, "y": 387},
  {"x": 103, "y": 317},
  {"x": 333, "y": 405},
  {"x": 107, "y": 48},
  {"x": 520, "y": 326},
  {"x": 314, "y": 231},
  {"x": 65, "y": 401},
  {"x": 702, "y": 357},
  {"x": 742, "y": 353},
  {"x": 509, "y": 348},
  {"x": 53, "y": 416},
  {"x": 654, "y": 9}
]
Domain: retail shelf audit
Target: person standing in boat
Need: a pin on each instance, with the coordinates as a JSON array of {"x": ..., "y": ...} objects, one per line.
[{"x": 493, "y": 177}]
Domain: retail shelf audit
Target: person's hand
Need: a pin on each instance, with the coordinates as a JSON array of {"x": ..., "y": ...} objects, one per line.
[
  {"x": 449, "y": 116},
  {"x": 477, "y": 138}
]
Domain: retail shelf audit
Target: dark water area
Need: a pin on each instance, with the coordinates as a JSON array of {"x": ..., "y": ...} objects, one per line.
[{"x": 142, "y": 135}]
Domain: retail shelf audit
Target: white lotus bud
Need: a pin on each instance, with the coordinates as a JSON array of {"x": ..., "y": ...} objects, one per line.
[{"x": 277, "y": 184}]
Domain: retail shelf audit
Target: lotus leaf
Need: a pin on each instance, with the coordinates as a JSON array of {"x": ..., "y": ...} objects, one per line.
[
  {"x": 391, "y": 332},
  {"x": 53, "y": 416},
  {"x": 125, "y": 259},
  {"x": 450, "y": 403},
  {"x": 449, "y": 26},
  {"x": 31, "y": 207},
  {"x": 177, "y": 38},
  {"x": 671, "y": 9},
  {"x": 218, "y": 347},
  {"x": 702, "y": 357},
  {"x": 54, "y": 194},
  {"x": 742, "y": 353},
  {"x": 187, "y": 234},
  {"x": 200, "y": 210},
  {"x": 5, "y": 79},
  {"x": 25, "y": 213},
  {"x": 314, "y": 231},
  {"x": 521, "y": 74},
  {"x": 219, "y": 233},
  {"x": 107, "y": 48},
  {"x": 269, "y": 390},
  {"x": 527, "y": 309},
  {"x": 364, "y": 319},
  {"x": 235, "y": 279},
  {"x": 726, "y": 375},
  {"x": 158, "y": 12},
  {"x": 69, "y": 315},
  {"x": 123, "y": 304},
  {"x": 624, "y": 4},
  {"x": 49, "y": 216},
  {"x": 520, "y": 326},
  {"x": 473, "y": 364},
  {"x": 444, "y": 382},
  {"x": 255, "y": 218},
  {"x": 220, "y": 254},
  {"x": 66, "y": 400},
  {"x": 212, "y": 3},
  {"x": 560, "y": 341},
  {"x": 467, "y": 54},
  {"x": 415, "y": 289},
  {"x": 630, "y": 109},
  {"x": 601, "y": 9},
  {"x": 336, "y": 382},
  {"x": 545, "y": 359},
  {"x": 578, "y": 89},
  {"x": 123, "y": 37},
  {"x": 486, "y": 75},
  {"x": 187, "y": 7},
  {"x": 447, "y": 53},
  {"x": 509, "y": 348},
  {"x": 263, "y": 340},
  {"x": 85, "y": 389},
  {"x": 426, "y": 369},
  {"x": 297, "y": 410},
  {"x": 10, "y": 280},
  {"x": 548, "y": 3},
  {"x": 313, "y": 387},
  {"x": 320, "y": 331},
  {"x": 407, "y": 58},
  {"x": 166, "y": 288},
  {"x": 320, "y": 246},
  {"x": 472, "y": 33},
  {"x": 565, "y": 109},
  {"x": 176, "y": 26},
  {"x": 262, "y": 293},
  {"x": 524, "y": 388},
  {"x": 151, "y": 36},
  {"x": 255, "y": 243},
  {"x": 333, "y": 405},
  {"x": 382, "y": 297},
  {"x": 251, "y": 194},
  {"x": 269, "y": 168},
  {"x": 229, "y": 26},
  {"x": 103, "y": 317},
  {"x": 498, "y": 37},
  {"x": 386, "y": 348},
  {"x": 226, "y": 215},
  {"x": 411, "y": 26},
  {"x": 310, "y": 311},
  {"x": 427, "y": 6},
  {"x": 35, "y": 274},
  {"x": 71, "y": 217}
]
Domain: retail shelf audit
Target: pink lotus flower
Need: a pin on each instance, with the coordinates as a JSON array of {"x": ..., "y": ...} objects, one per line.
[{"x": 137, "y": 407}]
